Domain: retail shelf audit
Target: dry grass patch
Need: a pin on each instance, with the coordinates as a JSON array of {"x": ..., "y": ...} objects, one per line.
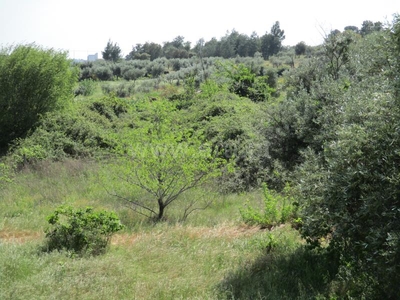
[
  {"x": 19, "y": 236},
  {"x": 225, "y": 231}
]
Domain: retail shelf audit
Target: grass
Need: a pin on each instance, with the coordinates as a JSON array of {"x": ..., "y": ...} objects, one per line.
[{"x": 212, "y": 255}]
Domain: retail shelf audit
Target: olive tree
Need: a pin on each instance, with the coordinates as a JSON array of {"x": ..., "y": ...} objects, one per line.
[{"x": 351, "y": 189}]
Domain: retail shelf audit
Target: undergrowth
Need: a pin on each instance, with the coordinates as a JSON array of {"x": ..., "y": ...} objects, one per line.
[{"x": 278, "y": 208}]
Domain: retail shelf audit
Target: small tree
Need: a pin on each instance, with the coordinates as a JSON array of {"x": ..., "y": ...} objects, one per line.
[
  {"x": 300, "y": 48},
  {"x": 164, "y": 161},
  {"x": 337, "y": 47},
  {"x": 33, "y": 81},
  {"x": 271, "y": 43},
  {"x": 112, "y": 52}
]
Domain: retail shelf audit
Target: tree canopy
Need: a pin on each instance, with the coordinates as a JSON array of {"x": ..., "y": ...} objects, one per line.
[{"x": 112, "y": 52}]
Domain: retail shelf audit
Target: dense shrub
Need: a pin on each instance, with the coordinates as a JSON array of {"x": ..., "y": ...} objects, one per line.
[
  {"x": 245, "y": 83},
  {"x": 103, "y": 73},
  {"x": 81, "y": 231},
  {"x": 86, "y": 88},
  {"x": 85, "y": 130},
  {"x": 229, "y": 123},
  {"x": 133, "y": 74},
  {"x": 85, "y": 70},
  {"x": 155, "y": 69},
  {"x": 147, "y": 86},
  {"x": 33, "y": 81},
  {"x": 117, "y": 70},
  {"x": 351, "y": 198},
  {"x": 124, "y": 89},
  {"x": 350, "y": 187}
]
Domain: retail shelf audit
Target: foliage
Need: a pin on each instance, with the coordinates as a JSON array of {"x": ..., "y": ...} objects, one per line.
[
  {"x": 133, "y": 74},
  {"x": 146, "y": 51},
  {"x": 102, "y": 72},
  {"x": 333, "y": 135},
  {"x": 33, "y": 82},
  {"x": 278, "y": 209},
  {"x": 81, "y": 231},
  {"x": 355, "y": 204},
  {"x": 369, "y": 27},
  {"x": 229, "y": 123},
  {"x": 271, "y": 43},
  {"x": 86, "y": 87},
  {"x": 163, "y": 159},
  {"x": 307, "y": 115},
  {"x": 87, "y": 129},
  {"x": 337, "y": 51},
  {"x": 123, "y": 90},
  {"x": 300, "y": 48},
  {"x": 350, "y": 190},
  {"x": 245, "y": 83},
  {"x": 112, "y": 52},
  {"x": 4, "y": 174}
]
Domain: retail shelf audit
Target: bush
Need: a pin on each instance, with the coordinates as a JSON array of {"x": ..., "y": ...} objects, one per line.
[
  {"x": 148, "y": 86},
  {"x": 86, "y": 88},
  {"x": 245, "y": 83},
  {"x": 155, "y": 69},
  {"x": 350, "y": 189},
  {"x": 133, "y": 74},
  {"x": 81, "y": 231},
  {"x": 229, "y": 123},
  {"x": 103, "y": 73},
  {"x": 121, "y": 90},
  {"x": 278, "y": 209},
  {"x": 124, "y": 90},
  {"x": 86, "y": 130},
  {"x": 33, "y": 82}
]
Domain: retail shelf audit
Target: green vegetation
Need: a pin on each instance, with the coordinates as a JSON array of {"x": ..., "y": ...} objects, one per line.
[
  {"x": 81, "y": 231},
  {"x": 163, "y": 159},
  {"x": 226, "y": 177},
  {"x": 33, "y": 82},
  {"x": 278, "y": 209},
  {"x": 112, "y": 52}
]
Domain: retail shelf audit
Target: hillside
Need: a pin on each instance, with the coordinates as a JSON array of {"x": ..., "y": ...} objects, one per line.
[{"x": 224, "y": 178}]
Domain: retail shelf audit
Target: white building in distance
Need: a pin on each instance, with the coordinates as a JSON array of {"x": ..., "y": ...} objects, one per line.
[{"x": 93, "y": 57}]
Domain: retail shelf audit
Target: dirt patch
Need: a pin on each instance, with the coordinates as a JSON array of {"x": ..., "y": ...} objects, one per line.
[
  {"x": 19, "y": 236},
  {"x": 124, "y": 239}
]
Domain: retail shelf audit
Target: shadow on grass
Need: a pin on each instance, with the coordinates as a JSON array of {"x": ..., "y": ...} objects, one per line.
[{"x": 302, "y": 274}]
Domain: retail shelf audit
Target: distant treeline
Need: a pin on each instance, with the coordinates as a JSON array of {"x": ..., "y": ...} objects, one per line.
[{"x": 231, "y": 45}]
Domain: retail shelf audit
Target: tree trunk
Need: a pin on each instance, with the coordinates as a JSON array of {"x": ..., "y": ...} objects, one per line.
[{"x": 160, "y": 209}]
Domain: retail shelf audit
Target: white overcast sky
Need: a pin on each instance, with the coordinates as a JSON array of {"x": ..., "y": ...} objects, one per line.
[{"x": 83, "y": 27}]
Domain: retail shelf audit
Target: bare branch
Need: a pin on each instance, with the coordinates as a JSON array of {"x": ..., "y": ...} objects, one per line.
[
  {"x": 133, "y": 202},
  {"x": 189, "y": 209}
]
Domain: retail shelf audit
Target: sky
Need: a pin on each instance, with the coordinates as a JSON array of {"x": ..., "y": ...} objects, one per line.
[{"x": 83, "y": 27}]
